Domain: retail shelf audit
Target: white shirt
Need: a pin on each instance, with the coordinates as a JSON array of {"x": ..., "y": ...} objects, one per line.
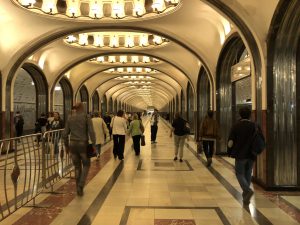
[{"x": 119, "y": 125}]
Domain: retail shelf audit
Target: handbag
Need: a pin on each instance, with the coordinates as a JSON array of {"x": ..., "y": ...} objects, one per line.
[
  {"x": 143, "y": 142},
  {"x": 90, "y": 151}
]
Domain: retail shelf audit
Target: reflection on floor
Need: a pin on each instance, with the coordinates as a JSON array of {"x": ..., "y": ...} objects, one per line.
[{"x": 152, "y": 189}]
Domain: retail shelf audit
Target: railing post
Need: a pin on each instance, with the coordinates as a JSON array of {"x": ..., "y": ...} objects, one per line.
[{"x": 43, "y": 161}]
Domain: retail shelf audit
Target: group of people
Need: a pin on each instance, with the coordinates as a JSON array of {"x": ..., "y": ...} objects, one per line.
[
  {"x": 83, "y": 129},
  {"x": 239, "y": 144}
]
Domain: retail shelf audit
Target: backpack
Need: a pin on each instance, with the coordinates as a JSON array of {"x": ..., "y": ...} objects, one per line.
[
  {"x": 258, "y": 143},
  {"x": 186, "y": 128}
]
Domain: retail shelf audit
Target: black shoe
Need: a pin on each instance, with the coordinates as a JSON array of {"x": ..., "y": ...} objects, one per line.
[
  {"x": 175, "y": 158},
  {"x": 79, "y": 191},
  {"x": 115, "y": 156},
  {"x": 247, "y": 196},
  {"x": 180, "y": 160}
]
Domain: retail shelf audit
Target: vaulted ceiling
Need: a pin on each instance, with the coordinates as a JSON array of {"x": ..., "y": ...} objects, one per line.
[{"x": 105, "y": 49}]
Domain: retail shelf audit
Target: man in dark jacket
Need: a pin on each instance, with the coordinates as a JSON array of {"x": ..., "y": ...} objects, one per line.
[
  {"x": 239, "y": 147},
  {"x": 80, "y": 128},
  {"x": 179, "y": 135},
  {"x": 19, "y": 123}
]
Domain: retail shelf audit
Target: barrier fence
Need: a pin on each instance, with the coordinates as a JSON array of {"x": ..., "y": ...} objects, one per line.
[{"x": 28, "y": 166}]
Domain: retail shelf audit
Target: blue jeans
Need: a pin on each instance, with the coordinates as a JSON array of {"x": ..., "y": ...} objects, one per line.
[{"x": 243, "y": 172}]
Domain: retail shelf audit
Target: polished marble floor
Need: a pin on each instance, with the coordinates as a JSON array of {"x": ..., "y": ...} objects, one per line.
[{"x": 152, "y": 189}]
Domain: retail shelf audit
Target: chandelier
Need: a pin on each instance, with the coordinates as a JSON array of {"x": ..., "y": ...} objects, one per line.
[
  {"x": 131, "y": 70},
  {"x": 115, "y": 40},
  {"x": 100, "y": 9},
  {"x": 143, "y": 78},
  {"x": 123, "y": 59}
]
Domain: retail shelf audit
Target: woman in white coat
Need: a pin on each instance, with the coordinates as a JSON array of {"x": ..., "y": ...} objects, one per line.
[{"x": 100, "y": 130}]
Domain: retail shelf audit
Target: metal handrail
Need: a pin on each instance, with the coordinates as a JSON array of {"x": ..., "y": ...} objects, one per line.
[{"x": 28, "y": 166}]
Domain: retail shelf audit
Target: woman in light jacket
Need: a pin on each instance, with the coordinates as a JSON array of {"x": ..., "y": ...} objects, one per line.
[
  {"x": 119, "y": 128},
  {"x": 136, "y": 129},
  {"x": 100, "y": 130}
]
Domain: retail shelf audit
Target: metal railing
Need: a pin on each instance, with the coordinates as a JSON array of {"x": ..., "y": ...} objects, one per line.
[{"x": 29, "y": 165}]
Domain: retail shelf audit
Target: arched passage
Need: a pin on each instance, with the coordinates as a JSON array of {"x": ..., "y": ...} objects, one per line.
[
  {"x": 182, "y": 104},
  {"x": 226, "y": 112},
  {"x": 203, "y": 98},
  {"x": 84, "y": 97},
  {"x": 67, "y": 96},
  {"x": 110, "y": 106},
  {"x": 95, "y": 102},
  {"x": 190, "y": 107},
  {"x": 283, "y": 117},
  {"x": 38, "y": 105},
  {"x": 25, "y": 99},
  {"x": 104, "y": 105},
  {"x": 115, "y": 106},
  {"x": 177, "y": 103}
]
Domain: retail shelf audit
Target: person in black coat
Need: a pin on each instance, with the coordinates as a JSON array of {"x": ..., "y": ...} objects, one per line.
[
  {"x": 239, "y": 147},
  {"x": 19, "y": 123}
]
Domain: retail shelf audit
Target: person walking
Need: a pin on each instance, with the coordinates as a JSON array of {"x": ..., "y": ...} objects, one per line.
[
  {"x": 154, "y": 127},
  {"x": 79, "y": 126},
  {"x": 119, "y": 128},
  {"x": 19, "y": 123},
  {"x": 56, "y": 124},
  {"x": 178, "y": 128},
  {"x": 107, "y": 120},
  {"x": 101, "y": 131},
  {"x": 239, "y": 147},
  {"x": 136, "y": 129},
  {"x": 209, "y": 133}
]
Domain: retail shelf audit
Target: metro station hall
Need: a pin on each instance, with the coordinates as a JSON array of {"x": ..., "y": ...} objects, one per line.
[{"x": 150, "y": 112}]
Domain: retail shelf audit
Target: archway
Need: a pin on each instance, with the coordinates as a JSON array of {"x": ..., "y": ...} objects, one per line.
[
  {"x": 226, "y": 110},
  {"x": 67, "y": 97},
  {"x": 115, "y": 106},
  {"x": 283, "y": 101},
  {"x": 190, "y": 107},
  {"x": 110, "y": 107},
  {"x": 84, "y": 98},
  {"x": 182, "y": 105},
  {"x": 58, "y": 100},
  {"x": 25, "y": 95},
  {"x": 39, "y": 82},
  {"x": 203, "y": 98},
  {"x": 95, "y": 102},
  {"x": 104, "y": 105}
]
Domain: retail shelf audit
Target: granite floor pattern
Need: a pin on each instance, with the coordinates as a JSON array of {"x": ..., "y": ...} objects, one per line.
[{"x": 152, "y": 189}]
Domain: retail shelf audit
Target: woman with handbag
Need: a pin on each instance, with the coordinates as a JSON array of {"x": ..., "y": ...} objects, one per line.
[
  {"x": 80, "y": 128},
  {"x": 136, "y": 129}
]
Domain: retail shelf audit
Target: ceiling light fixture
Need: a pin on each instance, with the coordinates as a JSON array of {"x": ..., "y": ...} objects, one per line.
[{"x": 97, "y": 9}]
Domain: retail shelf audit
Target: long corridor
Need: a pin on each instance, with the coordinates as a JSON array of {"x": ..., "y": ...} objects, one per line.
[{"x": 152, "y": 189}]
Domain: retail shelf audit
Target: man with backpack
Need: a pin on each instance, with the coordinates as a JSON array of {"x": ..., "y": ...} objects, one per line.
[{"x": 241, "y": 141}]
